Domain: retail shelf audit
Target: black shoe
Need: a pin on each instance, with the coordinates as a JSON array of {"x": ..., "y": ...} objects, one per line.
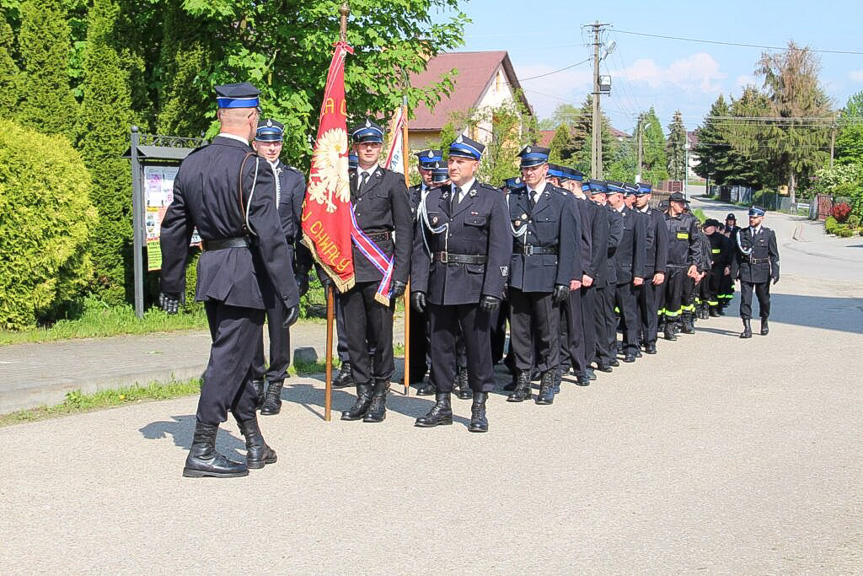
[
  {"x": 425, "y": 389},
  {"x": 203, "y": 460},
  {"x": 614, "y": 363},
  {"x": 260, "y": 392},
  {"x": 714, "y": 311},
  {"x": 546, "y": 389},
  {"x": 637, "y": 352},
  {"x": 591, "y": 375},
  {"x": 583, "y": 380},
  {"x": 439, "y": 415},
  {"x": 345, "y": 377},
  {"x": 603, "y": 367},
  {"x": 378, "y": 409},
  {"x": 650, "y": 348},
  {"x": 629, "y": 358},
  {"x": 765, "y": 329},
  {"x": 361, "y": 405},
  {"x": 747, "y": 329},
  {"x": 258, "y": 454},
  {"x": 273, "y": 402},
  {"x": 669, "y": 334},
  {"x": 686, "y": 326},
  {"x": 478, "y": 420},
  {"x": 721, "y": 311},
  {"x": 511, "y": 386},
  {"x": 464, "y": 391},
  {"x": 522, "y": 387}
]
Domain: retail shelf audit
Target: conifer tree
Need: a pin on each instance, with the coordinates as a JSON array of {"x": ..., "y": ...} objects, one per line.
[
  {"x": 48, "y": 104},
  {"x": 677, "y": 147},
  {"x": 9, "y": 73}
]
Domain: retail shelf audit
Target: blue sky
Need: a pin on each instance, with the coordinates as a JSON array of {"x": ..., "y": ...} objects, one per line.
[{"x": 543, "y": 36}]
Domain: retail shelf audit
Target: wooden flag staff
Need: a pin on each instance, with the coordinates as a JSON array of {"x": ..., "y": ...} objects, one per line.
[{"x": 406, "y": 165}]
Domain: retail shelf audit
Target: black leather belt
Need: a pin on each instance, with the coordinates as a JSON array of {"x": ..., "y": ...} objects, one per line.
[
  {"x": 450, "y": 258},
  {"x": 530, "y": 250},
  {"x": 378, "y": 236},
  {"x": 758, "y": 260},
  {"x": 224, "y": 243}
]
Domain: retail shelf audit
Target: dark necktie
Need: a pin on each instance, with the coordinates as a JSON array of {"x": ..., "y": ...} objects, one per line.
[
  {"x": 364, "y": 178},
  {"x": 455, "y": 196}
]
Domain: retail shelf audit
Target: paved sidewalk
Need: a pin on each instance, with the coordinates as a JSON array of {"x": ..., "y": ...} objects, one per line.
[{"x": 36, "y": 374}]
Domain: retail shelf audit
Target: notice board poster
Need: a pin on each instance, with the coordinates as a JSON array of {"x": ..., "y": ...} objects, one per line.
[{"x": 158, "y": 195}]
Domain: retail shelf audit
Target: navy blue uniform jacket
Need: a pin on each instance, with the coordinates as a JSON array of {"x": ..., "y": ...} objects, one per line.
[
  {"x": 206, "y": 196},
  {"x": 478, "y": 226}
]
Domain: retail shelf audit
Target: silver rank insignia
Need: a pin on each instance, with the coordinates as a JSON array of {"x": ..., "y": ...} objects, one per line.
[
  {"x": 434, "y": 220},
  {"x": 504, "y": 271}
]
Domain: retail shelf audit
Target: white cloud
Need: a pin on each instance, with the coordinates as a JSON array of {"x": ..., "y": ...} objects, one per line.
[
  {"x": 696, "y": 73},
  {"x": 744, "y": 80},
  {"x": 856, "y": 75}
]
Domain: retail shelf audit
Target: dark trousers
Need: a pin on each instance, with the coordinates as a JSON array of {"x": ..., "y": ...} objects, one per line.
[
  {"x": 647, "y": 307},
  {"x": 572, "y": 347},
  {"x": 626, "y": 298},
  {"x": 534, "y": 320},
  {"x": 341, "y": 330},
  {"x": 370, "y": 327},
  {"x": 689, "y": 293},
  {"x": 419, "y": 346},
  {"x": 726, "y": 289},
  {"x": 237, "y": 334},
  {"x": 714, "y": 284},
  {"x": 671, "y": 302},
  {"x": 604, "y": 322},
  {"x": 444, "y": 325},
  {"x": 280, "y": 347},
  {"x": 497, "y": 321},
  {"x": 588, "y": 315},
  {"x": 762, "y": 292}
]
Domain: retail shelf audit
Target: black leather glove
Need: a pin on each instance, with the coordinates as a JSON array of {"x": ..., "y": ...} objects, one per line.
[
  {"x": 302, "y": 284},
  {"x": 418, "y": 301},
  {"x": 291, "y": 316},
  {"x": 560, "y": 293},
  {"x": 489, "y": 303},
  {"x": 169, "y": 303},
  {"x": 776, "y": 279},
  {"x": 398, "y": 289}
]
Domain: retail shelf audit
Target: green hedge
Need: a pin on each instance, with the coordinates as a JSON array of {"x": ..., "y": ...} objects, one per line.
[{"x": 45, "y": 225}]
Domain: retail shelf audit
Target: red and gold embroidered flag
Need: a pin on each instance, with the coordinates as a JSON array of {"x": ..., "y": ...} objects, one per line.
[{"x": 327, "y": 210}]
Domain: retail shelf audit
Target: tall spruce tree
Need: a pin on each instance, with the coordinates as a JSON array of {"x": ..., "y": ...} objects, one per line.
[
  {"x": 9, "y": 72},
  {"x": 106, "y": 118},
  {"x": 712, "y": 146},
  {"x": 48, "y": 104},
  {"x": 654, "y": 157},
  {"x": 849, "y": 142},
  {"x": 677, "y": 141}
]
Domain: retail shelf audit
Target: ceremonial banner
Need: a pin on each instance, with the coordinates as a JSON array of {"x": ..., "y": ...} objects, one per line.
[
  {"x": 395, "y": 157},
  {"x": 327, "y": 214}
]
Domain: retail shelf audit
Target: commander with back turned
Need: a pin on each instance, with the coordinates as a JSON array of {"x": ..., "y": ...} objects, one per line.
[{"x": 228, "y": 193}]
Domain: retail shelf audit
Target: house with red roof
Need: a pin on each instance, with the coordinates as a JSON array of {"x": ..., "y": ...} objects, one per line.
[{"x": 484, "y": 81}]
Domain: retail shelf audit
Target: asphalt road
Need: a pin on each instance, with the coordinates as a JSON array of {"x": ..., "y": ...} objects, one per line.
[{"x": 717, "y": 456}]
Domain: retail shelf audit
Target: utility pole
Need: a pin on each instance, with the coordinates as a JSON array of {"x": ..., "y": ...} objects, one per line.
[
  {"x": 642, "y": 126},
  {"x": 596, "y": 146},
  {"x": 832, "y": 141}
]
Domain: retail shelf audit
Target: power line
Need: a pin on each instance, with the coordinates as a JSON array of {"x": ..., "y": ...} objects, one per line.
[
  {"x": 555, "y": 71},
  {"x": 740, "y": 44}
]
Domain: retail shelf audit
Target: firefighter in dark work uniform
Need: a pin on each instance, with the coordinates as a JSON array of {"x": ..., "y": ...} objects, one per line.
[
  {"x": 683, "y": 253},
  {"x": 229, "y": 193},
  {"x": 756, "y": 264},
  {"x": 383, "y": 214},
  {"x": 722, "y": 252},
  {"x": 460, "y": 266},
  {"x": 290, "y": 193},
  {"x": 726, "y": 286}
]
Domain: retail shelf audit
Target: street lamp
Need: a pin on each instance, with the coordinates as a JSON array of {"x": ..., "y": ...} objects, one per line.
[{"x": 686, "y": 147}]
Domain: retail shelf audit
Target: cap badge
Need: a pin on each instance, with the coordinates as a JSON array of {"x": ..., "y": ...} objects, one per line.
[
  {"x": 528, "y": 150},
  {"x": 431, "y": 154},
  {"x": 459, "y": 140},
  {"x": 269, "y": 123}
]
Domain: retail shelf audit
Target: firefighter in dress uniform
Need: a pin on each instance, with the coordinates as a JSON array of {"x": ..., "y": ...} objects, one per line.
[{"x": 756, "y": 265}]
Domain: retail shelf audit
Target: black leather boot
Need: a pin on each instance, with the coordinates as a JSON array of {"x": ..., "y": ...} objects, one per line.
[
  {"x": 512, "y": 383},
  {"x": 361, "y": 405},
  {"x": 273, "y": 402},
  {"x": 747, "y": 329},
  {"x": 478, "y": 420},
  {"x": 687, "y": 326},
  {"x": 258, "y": 454},
  {"x": 765, "y": 328},
  {"x": 378, "y": 409},
  {"x": 345, "y": 377},
  {"x": 546, "y": 388},
  {"x": 203, "y": 460},
  {"x": 464, "y": 391},
  {"x": 650, "y": 348},
  {"x": 425, "y": 388},
  {"x": 260, "y": 392},
  {"x": 558, "y": 378},
  {"x": 439, "y": 415},
  {"x": 522, "y": 387}
]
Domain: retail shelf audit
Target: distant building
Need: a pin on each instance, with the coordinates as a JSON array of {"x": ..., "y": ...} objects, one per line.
[{"x": 485, "y": 81}]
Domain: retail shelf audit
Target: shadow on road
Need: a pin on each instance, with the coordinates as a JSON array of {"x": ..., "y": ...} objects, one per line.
[
  {"x": 841, "y": 314},
  {"x": 181, "y": 429}
]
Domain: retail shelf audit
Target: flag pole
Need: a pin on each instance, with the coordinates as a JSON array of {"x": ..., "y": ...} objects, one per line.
[
  {"x": 406, "y": 165},
  {"x": 344, "y": 10}
]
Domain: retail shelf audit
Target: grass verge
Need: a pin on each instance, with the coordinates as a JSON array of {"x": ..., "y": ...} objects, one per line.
[{"x": 76, "y": 402}]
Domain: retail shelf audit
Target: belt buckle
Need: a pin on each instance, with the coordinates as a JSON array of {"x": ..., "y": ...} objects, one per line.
[
  {"x": 528, "y": 250},
  {"x": 444, "y": 257}
]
